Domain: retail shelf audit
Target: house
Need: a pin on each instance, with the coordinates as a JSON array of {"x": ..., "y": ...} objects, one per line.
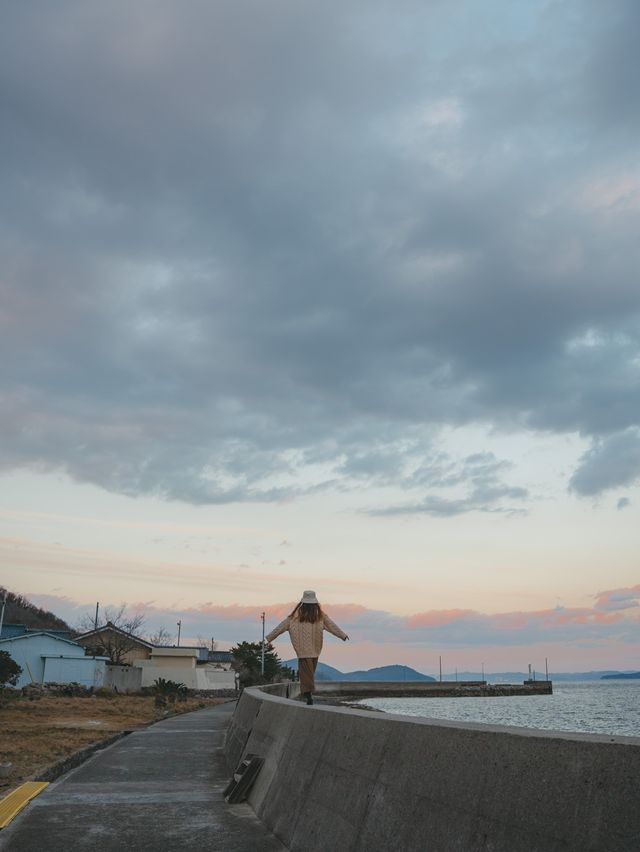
[
  {"x": 45, "y": 658},
  {"x": 221, "y": 659},
  {"x": 10, "y": 630},
  {"x": 120, "y": 647},
  {"x": 185, "y": 665}
]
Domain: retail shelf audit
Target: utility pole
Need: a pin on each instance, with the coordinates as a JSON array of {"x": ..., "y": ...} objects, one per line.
[
  {"x": 262, "y": 663},
  {"x": 440, "y": 668},
  {"x": 482, "y": 671},
  {"x": 179, "y": 624},
  {"x": 4, "y": 603},
  {"x": 95, "y": 620}
]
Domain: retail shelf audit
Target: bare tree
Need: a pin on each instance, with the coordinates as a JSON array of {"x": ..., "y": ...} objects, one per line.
[
  {"x": 209, "y": 644},
  {"x": 116, "y": 637},
  {"x": 161, "y": 638}
]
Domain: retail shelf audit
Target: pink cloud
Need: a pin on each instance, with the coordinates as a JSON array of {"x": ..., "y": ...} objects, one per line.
[
  {"x": 346, "y": 612},
  {"x": 462, "y": 636},
  {"x": 582, "y": 615},
  {"x": 438, "y": 617},
  {"x": 511, "y": 620},
  {"x": 236, "y": 612},
  {"x": 625, "y": 598}
]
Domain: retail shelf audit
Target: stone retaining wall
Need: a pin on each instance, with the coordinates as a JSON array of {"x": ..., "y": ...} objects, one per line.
[{"x": 358, "y": 781}]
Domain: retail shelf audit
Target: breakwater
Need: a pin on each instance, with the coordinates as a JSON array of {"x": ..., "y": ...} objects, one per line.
[
  {"x": 337, "y": 778},
  {"x": 431, "y": 689}
]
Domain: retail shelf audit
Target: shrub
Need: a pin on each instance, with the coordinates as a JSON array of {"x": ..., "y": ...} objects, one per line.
[
  {"x": 10, "y": 671},
  {"x": 169, "y": 688}
]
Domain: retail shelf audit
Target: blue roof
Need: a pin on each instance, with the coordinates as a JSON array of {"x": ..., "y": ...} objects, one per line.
[
  {"x": 40, "y": 633},
  {"x": 11, "y": 630},
  {"x": 220, "y": 656}
]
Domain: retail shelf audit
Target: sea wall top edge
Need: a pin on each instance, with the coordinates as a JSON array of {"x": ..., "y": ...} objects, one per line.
[{"x": 270, "y": 693}]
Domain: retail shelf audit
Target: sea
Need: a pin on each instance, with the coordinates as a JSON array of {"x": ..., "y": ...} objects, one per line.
[{"x": 595, "y": 707}]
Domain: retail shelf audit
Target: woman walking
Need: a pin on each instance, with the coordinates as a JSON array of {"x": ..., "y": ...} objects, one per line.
[{"x": 305, "y": 626}]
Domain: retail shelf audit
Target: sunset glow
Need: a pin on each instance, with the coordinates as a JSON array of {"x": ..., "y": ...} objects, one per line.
[{"x": 339, "y": 298}]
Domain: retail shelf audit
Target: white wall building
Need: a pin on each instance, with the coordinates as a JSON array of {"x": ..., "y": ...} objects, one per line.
[
  {"x": 45, "y": 658},
  {"x": 181, "y": 665}
]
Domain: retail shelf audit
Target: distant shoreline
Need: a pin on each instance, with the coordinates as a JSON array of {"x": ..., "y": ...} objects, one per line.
[{"x": 627, "y": 676}]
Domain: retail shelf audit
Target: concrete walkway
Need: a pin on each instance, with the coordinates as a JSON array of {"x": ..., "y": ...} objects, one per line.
[{"x": 157, "y": 789}]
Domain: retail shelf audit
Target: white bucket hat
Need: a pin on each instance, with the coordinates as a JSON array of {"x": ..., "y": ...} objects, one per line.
[{"x": 309, "y": 597}]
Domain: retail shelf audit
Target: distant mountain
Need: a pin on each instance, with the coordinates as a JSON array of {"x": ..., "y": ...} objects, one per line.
[
  {"x": 382, "y": 673},
  {"x": 622, "y": 676},
  {"x": 400, "y": 673},
  {"x": 323, "y": 672},
  {"x": 394, "y": 673},
  {"x": 21, "y": 611},
  {"x": 515, "y": 677}
]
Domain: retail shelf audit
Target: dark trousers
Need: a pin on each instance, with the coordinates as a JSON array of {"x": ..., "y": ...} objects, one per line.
[{"x": 306, "y": 670}]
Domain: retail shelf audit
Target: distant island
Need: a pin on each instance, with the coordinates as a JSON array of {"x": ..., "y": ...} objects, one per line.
[
  {"x": 406, "y": 673},
  {"x": 382, "y": 673},
  {"x": 514, "y": 676},
  {"x": 622, "y": 676}
]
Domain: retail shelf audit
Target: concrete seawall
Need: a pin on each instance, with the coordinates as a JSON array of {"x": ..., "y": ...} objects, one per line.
[{"x": 336, "y": 778}]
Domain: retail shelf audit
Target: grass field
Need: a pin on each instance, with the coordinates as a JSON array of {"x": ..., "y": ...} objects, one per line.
[{"x": 35, "y": 734}]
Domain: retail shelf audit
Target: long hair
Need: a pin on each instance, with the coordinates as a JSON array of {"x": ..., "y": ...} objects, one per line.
[{"x": 307, "y": 612}]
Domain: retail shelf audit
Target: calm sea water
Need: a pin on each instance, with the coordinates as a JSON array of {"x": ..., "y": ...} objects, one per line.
[{"x": 596, "y": 707}]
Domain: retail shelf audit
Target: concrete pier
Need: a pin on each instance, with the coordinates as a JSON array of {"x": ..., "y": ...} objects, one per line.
[{"x": 431, "y": 689}]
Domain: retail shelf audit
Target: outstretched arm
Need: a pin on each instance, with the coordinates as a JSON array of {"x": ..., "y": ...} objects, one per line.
[
  {"x": 332, "y": 627},
  {"x": 284, "y": 625}
]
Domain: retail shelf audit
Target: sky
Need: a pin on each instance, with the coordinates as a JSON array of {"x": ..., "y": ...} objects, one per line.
[{"x": 339, "y": 297}]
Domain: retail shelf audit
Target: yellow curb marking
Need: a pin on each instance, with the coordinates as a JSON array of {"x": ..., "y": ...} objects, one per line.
[{"x": 12, "y": 804}]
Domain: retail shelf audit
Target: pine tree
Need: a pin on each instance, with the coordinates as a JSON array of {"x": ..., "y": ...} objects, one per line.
[{"x": 248, "y": 663}]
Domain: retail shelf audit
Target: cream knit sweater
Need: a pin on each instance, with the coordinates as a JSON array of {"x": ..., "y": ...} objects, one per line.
[{"x": 306, "y": 637}]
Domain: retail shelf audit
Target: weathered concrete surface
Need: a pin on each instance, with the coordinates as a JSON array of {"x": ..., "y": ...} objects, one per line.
[
  {"x": 123, "y": 678},
  {"x": 344, "y": 779},
  {"x": 157, "y": 789}
]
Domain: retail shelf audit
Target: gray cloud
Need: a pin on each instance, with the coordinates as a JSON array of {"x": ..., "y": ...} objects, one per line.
[
  {"x": 611, "y": 462},
  {"x": 480, "y": 477},
  {"x": 254, "y": 251}
]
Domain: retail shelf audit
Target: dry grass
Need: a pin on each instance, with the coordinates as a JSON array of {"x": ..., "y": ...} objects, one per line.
[{"x": 35, "y": 734}]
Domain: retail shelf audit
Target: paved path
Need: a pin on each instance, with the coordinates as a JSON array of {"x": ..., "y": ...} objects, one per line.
[{"x": 157, "y": 789}]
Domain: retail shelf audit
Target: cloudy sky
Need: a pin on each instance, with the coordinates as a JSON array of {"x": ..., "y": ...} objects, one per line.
[{"x": 341, "y": 297}]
